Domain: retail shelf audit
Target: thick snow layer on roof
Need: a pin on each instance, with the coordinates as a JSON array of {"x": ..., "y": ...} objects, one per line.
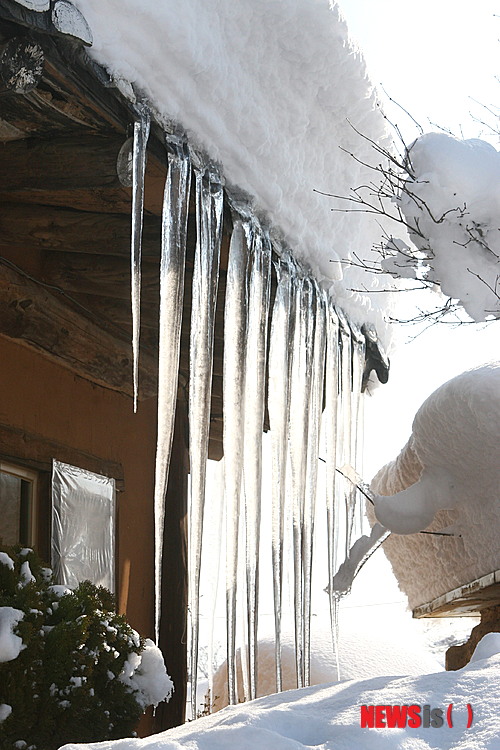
[
  {"x": 449, "y": 468},
  {"x": 452, "y": 203},
  {"x": 329, "y": 716},
  {"x": 268, "y": 89}
]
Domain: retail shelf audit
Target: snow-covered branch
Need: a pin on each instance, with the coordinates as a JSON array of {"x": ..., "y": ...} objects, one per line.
[{"x": 444, "y": 195}]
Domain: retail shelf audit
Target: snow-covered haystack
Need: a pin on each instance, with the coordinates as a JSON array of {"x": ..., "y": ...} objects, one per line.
[
  {"x": 271, "y": 91},
  {"x": 329, "y": 716},
  {"x": 367, "y": 648},
  {"x": 447, "y": 479}
]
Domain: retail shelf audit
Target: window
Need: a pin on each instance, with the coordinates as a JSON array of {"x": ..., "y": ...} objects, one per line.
[
  {"x": 83, "y": 526},
  {"x": 18, "y": 497}
]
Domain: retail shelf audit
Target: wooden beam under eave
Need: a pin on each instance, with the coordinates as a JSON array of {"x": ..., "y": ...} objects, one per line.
[
  {"x": 76, "y": 170},
  {"x": 103, "y": 275},
  {"x": 61, "y": 163},
  {"x": 36, "y": 318},
  {"x": 69, "y": 230}
]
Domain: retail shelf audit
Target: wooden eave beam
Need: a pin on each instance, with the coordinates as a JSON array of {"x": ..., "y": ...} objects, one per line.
[
  {"x": 103, "y": 275},
  {"x": 64, "y": 229},
  {"x": 33, "y": 316}
]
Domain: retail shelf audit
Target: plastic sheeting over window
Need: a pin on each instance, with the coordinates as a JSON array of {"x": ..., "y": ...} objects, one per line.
[{"x": 83, "y": 526}]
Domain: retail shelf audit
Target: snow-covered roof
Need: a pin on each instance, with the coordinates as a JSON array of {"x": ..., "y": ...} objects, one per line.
[
  {"x": 270, "y": 90},
  {"x": 446, "y": 480}
]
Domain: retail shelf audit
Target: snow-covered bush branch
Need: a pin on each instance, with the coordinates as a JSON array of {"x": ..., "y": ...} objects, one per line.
[{"x": 444, "y": 194}]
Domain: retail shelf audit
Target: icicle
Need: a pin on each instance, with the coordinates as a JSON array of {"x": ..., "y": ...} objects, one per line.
[
  {"x": 299, "y": 425},
  {"x": 213, "y": 546},
  {"x": 173, "y": 250},
  {"x": 360, "y": 552},
  {"x": 244, "y": 693},
  {"x": 279, "y": 414},
  {"x": 259, "y": 271},
  {"x": 315, "y": 411},
  {"x": 358, "y": 364},
  {"x": 233, "y": 388},
  {"x": 141, "y": 135},
  {"x": 345, "y": 427},
  {"x": 331, "y": 428},
  {"x": 209, "y": 198}
]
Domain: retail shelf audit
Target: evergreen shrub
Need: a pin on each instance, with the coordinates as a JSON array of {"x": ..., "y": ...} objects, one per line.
[{"x": 64, "y": 685}]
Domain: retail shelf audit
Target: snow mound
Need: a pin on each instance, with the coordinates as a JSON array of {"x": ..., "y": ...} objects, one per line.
[
  {"x": 367, "y": 648},
  {"x": 328, "y": 716},
  {"x": 446, "y": 479},
  {"x": 270, "y": 91},
  {"x": 488, "y": 646}
]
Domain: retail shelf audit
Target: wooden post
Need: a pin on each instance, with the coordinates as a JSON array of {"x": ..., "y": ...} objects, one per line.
[{"x": 173, "y": 624}]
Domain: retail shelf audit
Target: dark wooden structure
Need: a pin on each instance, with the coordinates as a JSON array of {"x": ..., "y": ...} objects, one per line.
[
  {"x": 65, "y": 311},
  {"x": 65, "y": 318}
]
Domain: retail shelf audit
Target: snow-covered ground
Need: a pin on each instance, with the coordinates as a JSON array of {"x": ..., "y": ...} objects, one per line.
[{"x": 330, "y": 716}]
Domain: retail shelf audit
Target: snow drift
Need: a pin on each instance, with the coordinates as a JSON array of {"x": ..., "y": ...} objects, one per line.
[
  {"x": 367, "y": 648},
  {"x": 446, "y": 478},
  {"x": 328, "y": 716}
]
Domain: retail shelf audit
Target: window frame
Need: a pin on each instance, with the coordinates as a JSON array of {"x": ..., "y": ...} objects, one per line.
[{"x": 32, "y": 477}]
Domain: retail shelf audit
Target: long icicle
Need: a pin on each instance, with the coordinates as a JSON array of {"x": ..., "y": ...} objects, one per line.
[
  {"x": 216, "y": 548},
  {"x": 345, "y": 432},
  {"x": 209, "y": 200},
  {"x": 299, "y": 425},
  {"x": 255, "y": 387},
  {"x": 331, "y": 416},
  {"x": 140, "y": 142},
  {"x": 279, "y": 414},
  {"x": 173, "y": 252},
  {"x": 233, "y": 388},
  {"x": 315, "y": 411},
  {"x": 358, "y": 364}
]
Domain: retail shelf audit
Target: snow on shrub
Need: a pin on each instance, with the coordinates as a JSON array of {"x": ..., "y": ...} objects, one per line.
[{"x": 71, "y": 669}]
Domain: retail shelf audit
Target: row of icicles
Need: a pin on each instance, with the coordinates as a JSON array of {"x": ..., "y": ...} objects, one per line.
[{"x": 310, "y": 356}]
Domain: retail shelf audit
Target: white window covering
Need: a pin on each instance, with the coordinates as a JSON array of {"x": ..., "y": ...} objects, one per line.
[{"x": 83, "y": 526}]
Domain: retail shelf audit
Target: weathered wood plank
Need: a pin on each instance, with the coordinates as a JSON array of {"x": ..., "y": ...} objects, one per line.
[
  {"x": 35, "y": 317},
  {"x": 61, "y": 163},
  {"x": 468, "y": 599},
  {"x": 42, "y": 181},
  {"x": 55, "y": 228},
  {"x": 105, "y": 200},
  {"x": 118, "y": 311},
  {"x": 106, "y": 276}
]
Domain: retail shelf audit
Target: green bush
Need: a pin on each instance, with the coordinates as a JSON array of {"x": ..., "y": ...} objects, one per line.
[{"x": 64, "y": 685}]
